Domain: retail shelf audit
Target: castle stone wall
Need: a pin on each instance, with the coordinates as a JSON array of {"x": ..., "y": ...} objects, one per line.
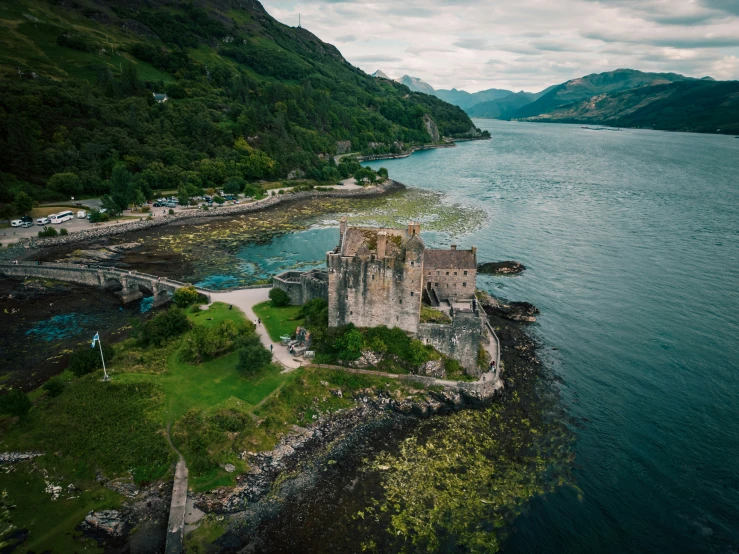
[
  {"x": 369, "y": 291},
  {"x": 302, "y": 287},
  {"x": 460, "y": 340}
]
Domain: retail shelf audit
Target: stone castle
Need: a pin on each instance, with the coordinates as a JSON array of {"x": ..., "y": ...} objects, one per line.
[{"x": 378, "y": 276}]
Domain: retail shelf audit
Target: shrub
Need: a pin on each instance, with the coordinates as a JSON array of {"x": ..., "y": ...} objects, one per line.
[
  {"x": 163, "y": 326},
  {"x": 97, "y": 217},
  {"x": 230, "y": 420},
  {"x": 63, "y": 232},
  {"x": 219, "y": 200},
  {"x": 171, "y": 211},
  {"x": 253, "y": 356},
  {"x": 54, "y": 386},
  {"x": 185, "y": 296},
  {"x": 205, "y": 343},
  {"x": 315, "y": 314},
  {"x": 279, "y": 297},
  {"x": 15, "y": 403},
  {"x": 48, "y": 232},
  {"x": 86, "y": 360},
  {"x": 350, "y": 345},
  {"x": 145, "y": 209}
]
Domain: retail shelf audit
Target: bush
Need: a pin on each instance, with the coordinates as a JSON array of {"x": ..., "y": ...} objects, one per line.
[
  {"x": 171, "y": 211},
  {"x": 253, "y": 356},
  {"x": 185, "y": 296},
  {"x": 163, "y": 326},
  {"x": 279, "y": 298},
  {"x": 63, "y": 232},
  {"x": 15, "y": 403},
  {"x": 54, "y": 386},
  {"x": 219, "y": 199},
  {"x": 86, "y": 360},
  {"x": 205, "y": 343},
  {"x": 48, "y": 232},
  {"x": 96, "y": 216}
]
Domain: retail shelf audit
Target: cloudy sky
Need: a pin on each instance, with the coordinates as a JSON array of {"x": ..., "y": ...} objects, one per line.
[{"x": 523, "y": 44}]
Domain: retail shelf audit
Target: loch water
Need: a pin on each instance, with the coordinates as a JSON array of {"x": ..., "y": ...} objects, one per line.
[{"x": 631, "y": 240}]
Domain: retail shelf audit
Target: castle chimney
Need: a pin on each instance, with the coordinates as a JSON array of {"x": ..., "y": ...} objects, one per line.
[
  {"x": 381, "y": 244},
  {"x": 342, "y": 231},
  {"x": 474, "y": 252},
  {"x": 411, "y": 228},
  {"x": 454, "y": 246},
  {"x": 416, "y": 228}
]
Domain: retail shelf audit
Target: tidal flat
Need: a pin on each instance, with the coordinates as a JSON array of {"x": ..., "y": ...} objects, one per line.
[{"x": 250, "y": 248}]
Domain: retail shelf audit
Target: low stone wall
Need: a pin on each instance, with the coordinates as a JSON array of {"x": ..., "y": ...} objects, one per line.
[{"x": 111, "y": 230}]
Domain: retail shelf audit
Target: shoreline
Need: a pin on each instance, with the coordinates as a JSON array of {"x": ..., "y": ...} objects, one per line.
[
  {"x": 451, "y": 144},
  {"x": 195, "y": 214}
]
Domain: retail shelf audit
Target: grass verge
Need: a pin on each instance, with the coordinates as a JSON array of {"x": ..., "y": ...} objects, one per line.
[{"x": 278, "y": 321}]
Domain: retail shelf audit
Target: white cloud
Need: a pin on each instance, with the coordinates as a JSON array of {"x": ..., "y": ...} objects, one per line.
[{"x": 526, "y": 44}]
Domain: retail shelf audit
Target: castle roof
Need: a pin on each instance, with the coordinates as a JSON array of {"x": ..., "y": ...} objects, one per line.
[
  {"x": 452, "y": 259},
  {"x": 357, "y": 237}
]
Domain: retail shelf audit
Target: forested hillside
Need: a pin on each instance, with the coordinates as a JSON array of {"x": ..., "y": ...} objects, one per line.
[
  {"x": 247, "y": 98},
  {"x": 697, "y": 106}
]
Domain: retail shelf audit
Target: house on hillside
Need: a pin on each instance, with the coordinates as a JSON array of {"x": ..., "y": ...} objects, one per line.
[{"x": 160, "y": 97}]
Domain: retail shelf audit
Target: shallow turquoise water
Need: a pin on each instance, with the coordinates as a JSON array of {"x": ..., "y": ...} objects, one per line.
[{"x": 631, "y": 240}]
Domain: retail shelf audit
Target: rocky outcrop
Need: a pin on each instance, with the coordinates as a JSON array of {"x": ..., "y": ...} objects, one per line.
[
  {"x": 343, "y": 146},
  {"x": 501, "y": 268},
  {"x": 106, "y": 526},
  {"x": 515, "y": 311},
  {"x": 431, "y": 127},
  {"x": 12, "y": 457}
]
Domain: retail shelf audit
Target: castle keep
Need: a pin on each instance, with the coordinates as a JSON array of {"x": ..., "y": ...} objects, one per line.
[{"x": 378, "y": 276}]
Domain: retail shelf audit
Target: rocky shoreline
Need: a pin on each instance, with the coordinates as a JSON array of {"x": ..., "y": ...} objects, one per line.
[
  {"x": 182, "y": 217},
  {"x": 407, "y": 153}
]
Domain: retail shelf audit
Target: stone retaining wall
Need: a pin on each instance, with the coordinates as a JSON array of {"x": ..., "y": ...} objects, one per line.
[{"x": 111, "y": 230}]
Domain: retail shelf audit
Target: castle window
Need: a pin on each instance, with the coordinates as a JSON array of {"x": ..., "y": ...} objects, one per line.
[
  {"x": 447, "y": 273},
  {"x": 438, "y": 273},
  {"x": 401, "y": 300},
  {"x": 455, "y": 273},
  {"x": 465, "y": 273},
  {"x": 436, "y": 284},
  {"x": 429, "y": 273},
  {"x": 464, "y": 284},
  {"x": 373, "y": 277},
  {"x": 351, "y": 312},
  {"x": 411, "y": 293},
  {"x": 413, "y": 263}
]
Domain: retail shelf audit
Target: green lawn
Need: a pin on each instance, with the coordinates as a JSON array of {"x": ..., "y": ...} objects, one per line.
[{"x": 278, "y": 321}]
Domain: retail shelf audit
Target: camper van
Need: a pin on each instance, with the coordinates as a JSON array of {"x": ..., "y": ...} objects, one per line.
[
  {"x": 61, "y": 217},
  {"x": 81, "y": 214}
]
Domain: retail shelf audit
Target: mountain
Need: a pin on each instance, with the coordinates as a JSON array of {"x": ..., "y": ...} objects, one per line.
[
  {"x": 465, "y": 99},
  {"x": 247, "y": 98},
  {"x": 701, "y": 106},
  {"x": 381, "y": 74},
  {"x": 591, "y": 85},
  {"x": 416, "y": 84},
  {"x": 502, "y": 108}
]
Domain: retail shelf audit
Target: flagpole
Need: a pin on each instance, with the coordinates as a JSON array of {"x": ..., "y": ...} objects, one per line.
[{"x": 100, "y": 343}]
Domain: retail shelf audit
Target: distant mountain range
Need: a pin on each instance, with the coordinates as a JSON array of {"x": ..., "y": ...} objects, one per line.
[{"x": 624, "y": 97}]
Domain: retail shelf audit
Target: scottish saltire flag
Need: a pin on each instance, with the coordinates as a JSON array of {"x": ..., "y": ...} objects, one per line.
[{"x": 95, "y": 339}]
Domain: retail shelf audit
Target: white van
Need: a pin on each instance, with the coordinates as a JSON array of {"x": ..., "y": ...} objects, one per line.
[
  {"x": 61, "y": 217},
  {"x": 81, "y": 214}
]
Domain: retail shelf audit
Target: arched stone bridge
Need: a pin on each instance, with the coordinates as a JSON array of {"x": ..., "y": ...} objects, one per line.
[{"x": 129, "y": 285}]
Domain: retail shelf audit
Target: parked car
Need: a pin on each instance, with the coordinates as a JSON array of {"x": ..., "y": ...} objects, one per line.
[
  {"x": 16, "y": 223},
  {"x": 27, "y": 224},
  {"x": 81, "y": 214},
  {"x": 171, "y": 204},
  {"x": 43, "y": 221}
]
